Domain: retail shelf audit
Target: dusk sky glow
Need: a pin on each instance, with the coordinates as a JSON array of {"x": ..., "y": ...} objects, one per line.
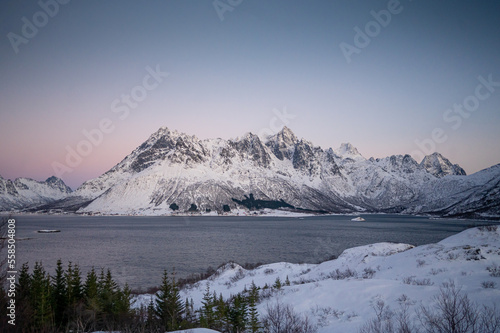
[{"x": 429, "y": 67}]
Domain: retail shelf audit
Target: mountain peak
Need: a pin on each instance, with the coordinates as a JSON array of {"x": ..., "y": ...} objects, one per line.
[
  {"x": 282, "y": 144},
  {"x": 58, "y": 183},
  {"x": 286, "y": 136},
  {"x": 347, "y": 150},
  {"x": 439, "y": 166}
]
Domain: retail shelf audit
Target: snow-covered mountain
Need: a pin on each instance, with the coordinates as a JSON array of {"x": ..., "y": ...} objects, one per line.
[
  {"x": 24, "y": 192},
  {"x": 175, "y": 168},
  {"x": 440, "y": 166},
  {"x": 280, "y": 171}
]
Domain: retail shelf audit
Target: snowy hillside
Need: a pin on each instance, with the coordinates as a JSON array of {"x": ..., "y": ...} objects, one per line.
[
  {"x": 339, "y": 295},
  {"x": 24, "y": 192}
]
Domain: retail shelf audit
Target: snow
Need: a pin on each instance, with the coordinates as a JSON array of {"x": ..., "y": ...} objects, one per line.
[{"x": 338, "y": 294}]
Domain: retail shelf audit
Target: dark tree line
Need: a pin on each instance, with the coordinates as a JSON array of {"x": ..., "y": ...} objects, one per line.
[
  {"x": 68, "y": 302},
  {"x": 65, "y": 302}
]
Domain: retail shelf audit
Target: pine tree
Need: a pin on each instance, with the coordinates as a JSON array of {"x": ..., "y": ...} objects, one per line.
[
  {"x": 90, "y": 290},
  {"x": 59, "y": 300},
  {"x": 238, "y": 313},
  {"x": 207, "y": 309},
  {"x": 287, "y": 281},
  {"x": 107, "y": 289},
  {"x": 221, "y": 313},
  {"x": 74, "y": 291},
  {"x": 169, "y": 307},
  {"x": 76, "y": 284},
  {"x": 107, "y": 293},
  {"x": 91, "y": 298},
  {"x": 23, "y": 299},
  {"x": 277, "y": 284},
  {"x": 151, "y": 319},
  {"x": 253, "y": 314},
  {"x": 189, "y": 314},
  {"x": 40, "y": 294},
  {"x": 123, "y": 301}
]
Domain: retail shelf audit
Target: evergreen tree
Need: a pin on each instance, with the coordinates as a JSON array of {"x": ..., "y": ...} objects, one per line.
[
  {"x": 189, "y": 314},
  {"x": 24, "y": 309},
  {"x": 40, "y": 296},
  {"x": 238, "y": 312},
  {"x": 108, "y": 294},
  {"x": 277, "y": 284},
  {"x": 59, "y": 300},
  {"x": 169, "y": 307},
  {"x": 107, "y": 288},
  {"x": 90, "y": 290},
  {"x": 151, "y": 319},
  {"x": 122, "y": 307},
  {"x": 207, "y": 309},
  {"x": 253, "y": 314},
  {"x": 91, "y": 299},
  {"x": 221, "y": 313},
  {"x": 287, "y": 281}
]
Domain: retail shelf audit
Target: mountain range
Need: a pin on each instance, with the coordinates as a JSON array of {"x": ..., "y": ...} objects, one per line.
[{"x": 174, "y": 171}]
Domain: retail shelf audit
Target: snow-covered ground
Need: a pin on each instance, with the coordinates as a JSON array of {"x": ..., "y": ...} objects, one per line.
[{"x": 338, "y": 295}]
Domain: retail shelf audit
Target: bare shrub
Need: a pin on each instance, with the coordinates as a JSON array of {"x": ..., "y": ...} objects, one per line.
[
  {"x": 437, "y": 271},
  {"x": 387, "y": 321},
  {"x": 489, "y": 320},
  {"x": 324, "y": 313},
  {"x": 408, "y": 279},
  {"x": 494, "y": 270},
  {"x": 420, "y": 262},
  {"x": 489, "y": 228},
  {"x": 341, "y": 275},
  {"x": 281, "y": 318},
  {"x": 240, "y": 274},
  {"x": 452, "y": 312},
  {"x": 268, "y": 271},
  {"x": 488, "y": 284},
  {"x": 416, "y": 282},
  {"x": 368, "y": 273}
]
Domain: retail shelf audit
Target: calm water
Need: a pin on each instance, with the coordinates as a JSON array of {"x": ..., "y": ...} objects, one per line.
[{"x": 137, "y": 249}]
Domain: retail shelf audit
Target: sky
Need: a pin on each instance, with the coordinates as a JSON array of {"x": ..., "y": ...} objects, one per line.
[{"x": 83, "y": 83}]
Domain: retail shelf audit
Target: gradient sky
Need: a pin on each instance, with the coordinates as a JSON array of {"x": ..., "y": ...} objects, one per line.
[{"x": 228, "y": 77}]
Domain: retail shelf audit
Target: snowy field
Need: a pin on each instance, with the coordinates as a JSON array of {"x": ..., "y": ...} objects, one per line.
[{"x": 340, "y": 295}]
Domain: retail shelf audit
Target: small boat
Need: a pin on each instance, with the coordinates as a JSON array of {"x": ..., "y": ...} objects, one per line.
[
  {"x": 46, "y": 231},
  {"x": 358, "y": 219}
]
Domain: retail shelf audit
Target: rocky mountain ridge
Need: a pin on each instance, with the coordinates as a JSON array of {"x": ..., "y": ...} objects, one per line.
[{"x": 174, "y": 168}]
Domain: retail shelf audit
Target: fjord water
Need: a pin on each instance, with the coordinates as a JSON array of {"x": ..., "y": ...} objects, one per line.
[{"x": 138, "y": 249}]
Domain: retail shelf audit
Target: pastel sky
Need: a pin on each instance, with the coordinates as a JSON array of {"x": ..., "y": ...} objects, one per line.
[{"x": 233, "y": 68}]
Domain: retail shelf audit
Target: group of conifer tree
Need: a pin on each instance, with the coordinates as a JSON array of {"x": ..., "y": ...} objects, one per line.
[
  {"x": 68, "y": 302},
  {"x": 64, "y": 302}
]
